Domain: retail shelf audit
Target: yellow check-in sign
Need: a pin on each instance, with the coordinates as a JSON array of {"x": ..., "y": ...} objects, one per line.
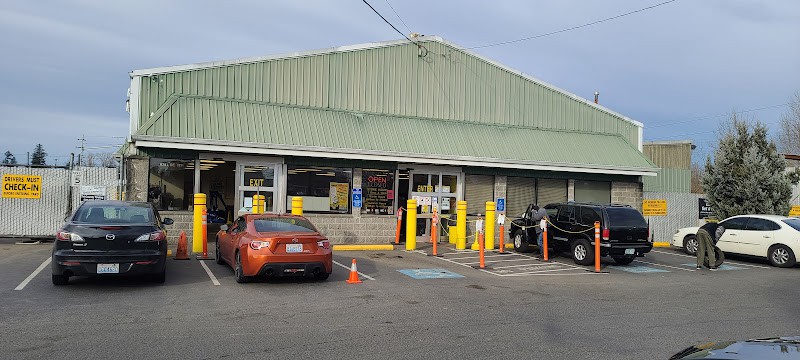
[
  {"x": 22, "y": 186},
  {"x": 654, "y": 207},
  {"x": 795, "y": 211}
]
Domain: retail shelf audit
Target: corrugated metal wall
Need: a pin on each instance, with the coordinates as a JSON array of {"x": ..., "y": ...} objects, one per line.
[
  {"x": 42, "y": 217},
  {"x": 669, "y": 180},
  {"x": 682, "y": 211},
  {"x": 444, "y": 84}
]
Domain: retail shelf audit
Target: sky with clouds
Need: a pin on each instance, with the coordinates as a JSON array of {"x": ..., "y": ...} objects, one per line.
[{"x": 678, "y": 68}]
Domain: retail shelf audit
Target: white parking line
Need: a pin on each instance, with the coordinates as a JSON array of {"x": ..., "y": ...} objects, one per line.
[
  {"x": 33, "y": 274},
  {"x": 359, "y": 272},
  {"x": 726, "y": 260},
  {"x": 485, "y": 256},
  {"x": 210, "y": 274},
  {"x": 538, "y": 272},
  {"x": 523, "y": 265},
  {"x": 495, "y": 261}
]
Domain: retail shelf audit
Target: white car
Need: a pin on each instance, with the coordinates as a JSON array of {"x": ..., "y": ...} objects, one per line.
[{"x": 772, "y": 236}]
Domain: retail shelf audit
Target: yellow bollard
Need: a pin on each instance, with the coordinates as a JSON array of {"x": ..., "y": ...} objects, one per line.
[
  {"x": 451, "y": 232},
  {"x": 461, "y": 225},
  {"x": 199, "y": 205},
  {"x": 259, "y": 203},
  {"x": 488, "y": 236},
  {"x": 411, "y": 224},
  {"x": 297, "y": 205}
]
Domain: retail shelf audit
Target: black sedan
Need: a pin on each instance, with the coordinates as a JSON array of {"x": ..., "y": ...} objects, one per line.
[{"x": 111, "y": 238}]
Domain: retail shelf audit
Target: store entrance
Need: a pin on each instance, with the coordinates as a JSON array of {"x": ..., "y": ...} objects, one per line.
[
  {"x": 218, "y": 182},
  {"x": 433, "y": 190}
]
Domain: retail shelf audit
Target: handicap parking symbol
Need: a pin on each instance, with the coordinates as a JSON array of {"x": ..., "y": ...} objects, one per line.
[{"x": 430, "y": 274}]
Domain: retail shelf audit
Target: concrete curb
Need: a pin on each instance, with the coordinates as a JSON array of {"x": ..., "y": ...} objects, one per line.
[
  {"x": 358, "y": 247},
  {"x": 661, "y": 244}
]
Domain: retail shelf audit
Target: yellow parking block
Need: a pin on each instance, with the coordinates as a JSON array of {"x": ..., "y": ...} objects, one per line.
[{"x": 661, "y": 244}]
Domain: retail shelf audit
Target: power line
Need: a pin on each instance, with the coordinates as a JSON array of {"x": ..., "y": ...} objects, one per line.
[
  {"x": 398, "y": 16},
  {"x": 390, "y": 24},
  {"x": 571, "y": 28},
  {"x": 720, "y": 115}
]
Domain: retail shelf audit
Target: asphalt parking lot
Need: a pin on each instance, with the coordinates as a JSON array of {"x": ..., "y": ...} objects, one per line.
[{"x": 410, "y": 305}]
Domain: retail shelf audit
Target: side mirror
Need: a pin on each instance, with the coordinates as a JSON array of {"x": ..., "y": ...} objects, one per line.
[
  {"x": 224, "y": 227},
  {"x": 167, "y": 221}
]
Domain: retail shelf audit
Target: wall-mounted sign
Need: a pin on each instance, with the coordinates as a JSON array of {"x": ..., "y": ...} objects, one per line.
[
  {"x": 22, "y": 186},
  {"x": 657, "y": 207},
  {"x": 93, "y": 193},
  {"x": 357, "y": 198},
  {"x": 795, "y": 211},
  {"x": 338, "y": 196},
  {"x": 501, "y": 204},
  {"x": 705, "y": 210}
]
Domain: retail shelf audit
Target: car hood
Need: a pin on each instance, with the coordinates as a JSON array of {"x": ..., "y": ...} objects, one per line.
[{"x": 763, "y": 349}]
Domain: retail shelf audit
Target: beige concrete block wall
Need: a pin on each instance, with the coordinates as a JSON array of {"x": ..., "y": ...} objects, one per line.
[
  {"x": 627, "y": 193},
  {"x": 346, "y": 229}
]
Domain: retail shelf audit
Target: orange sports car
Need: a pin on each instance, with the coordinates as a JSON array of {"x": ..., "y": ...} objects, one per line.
[{"x": 267, "y": 245}]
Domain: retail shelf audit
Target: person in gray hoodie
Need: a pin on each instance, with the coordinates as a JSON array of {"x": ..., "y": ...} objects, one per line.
[{"x": 538, "y": 215}]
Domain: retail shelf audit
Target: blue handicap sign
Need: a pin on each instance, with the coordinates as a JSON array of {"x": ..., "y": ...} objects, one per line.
[
  {"x": 357, "y": 197},
  {"x": 430, "y": 274},
  {"x": 501, "y": 204}
]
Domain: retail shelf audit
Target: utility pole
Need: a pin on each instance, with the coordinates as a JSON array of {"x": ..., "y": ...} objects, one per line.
[{"x": 82, "y": 147}]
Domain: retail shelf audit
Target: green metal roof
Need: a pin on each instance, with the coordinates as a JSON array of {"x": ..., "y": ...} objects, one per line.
[{"x": 231, "y": 123}]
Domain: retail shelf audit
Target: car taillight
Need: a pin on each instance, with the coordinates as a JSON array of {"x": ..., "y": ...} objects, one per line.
[
  {"x": 258, "y": 245},
  {"x": 153, "y": 236},
  {"x": 606, "y": 234},
  {"x": 68, "y": 236},
  {"x": 325, "y": 244}
]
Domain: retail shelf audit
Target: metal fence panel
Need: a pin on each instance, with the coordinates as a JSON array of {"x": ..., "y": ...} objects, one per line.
[
  {"x": 42, "y": 217},
  {"x": 682, "y": 211}
]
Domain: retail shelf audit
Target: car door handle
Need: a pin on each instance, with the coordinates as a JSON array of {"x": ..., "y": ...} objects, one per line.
[
  {"x": 766, "y": 236},
  {"x": 733, "y": 234}
]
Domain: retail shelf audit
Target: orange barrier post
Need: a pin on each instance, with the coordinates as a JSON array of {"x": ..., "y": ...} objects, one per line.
[
  {"x": 204, "y": 228},
  {"x": 544, "y": 243},
  {"x": 596, "y": 246},
  {"x": 502, "y": 245},
  {"x": 434, "y": 231},
  {"x": 182, "y": 253},
  {"x": 353, "y": 274},
  {"x": 481, "y": 247},
  {"x": 399, "y": 224}
]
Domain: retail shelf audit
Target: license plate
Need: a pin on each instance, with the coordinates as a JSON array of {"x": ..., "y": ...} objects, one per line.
[
  {"x": 630, "y": 251},
  {"x": 294, "y": 248},
  {"x": 108, "y": 268}
]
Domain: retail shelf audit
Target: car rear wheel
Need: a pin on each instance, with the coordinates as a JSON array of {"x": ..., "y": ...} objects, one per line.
[
  {"x": 582, "y": 252},
  {"x": 781, "y": 256},
  {"x": 520, "y": 245},
  {"x": 322, "y": 276},
  {"x": 217, "y": 255},
  {"x": 623, "y": 260},
  {"x": 159, "y": 278},
  {"x": 60, "y": 279},
  {"x": 238, "y": 271},
  {"x": 690, "y": 244}
]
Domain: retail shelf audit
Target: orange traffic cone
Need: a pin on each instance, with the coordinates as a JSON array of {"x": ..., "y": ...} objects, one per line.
[
  {"x": 353, "y": 274},
  {"x": 183, "y": 248}
]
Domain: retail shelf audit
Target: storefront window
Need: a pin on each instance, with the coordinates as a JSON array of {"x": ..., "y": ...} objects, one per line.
[
  {"x": 324, "y": 189},
  {"x": 378, "y": 189},
  {"x": 171, "y": 183}
]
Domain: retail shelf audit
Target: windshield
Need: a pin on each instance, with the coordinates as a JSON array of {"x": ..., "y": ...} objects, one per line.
[
  {"x": 625, "y": 217},
  {"x": 283, "y": 224},
  {"x": 114, "y": 214},
  {"x": 794, "y": 223}
]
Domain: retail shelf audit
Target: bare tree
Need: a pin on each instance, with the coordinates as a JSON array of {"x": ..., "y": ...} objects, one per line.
[
  {"x": 789, "y": 135},
  {"x": 106, "y": 159},
  {"x": 88, "y": 159},
  {"x": 697, "y": 179}
]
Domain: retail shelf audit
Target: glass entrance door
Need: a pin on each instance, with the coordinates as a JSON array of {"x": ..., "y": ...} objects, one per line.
[
  {"x": 257, "y": 179},
  {"x": 433, "y": 190}
]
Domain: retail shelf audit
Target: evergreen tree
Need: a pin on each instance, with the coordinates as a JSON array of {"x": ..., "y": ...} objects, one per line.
[
  {"x": 747, "y": 176},
  {"x": 39, "y": 155},
  {"x": 9, "y": 159}
]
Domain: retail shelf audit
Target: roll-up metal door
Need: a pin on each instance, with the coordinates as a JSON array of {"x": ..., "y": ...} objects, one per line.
[
  {"x": 593, "y": 191},
  {"x": 520, "y": 192},
  {"x": 552, "y": 191},
  {"x": 478, "y": 189}
]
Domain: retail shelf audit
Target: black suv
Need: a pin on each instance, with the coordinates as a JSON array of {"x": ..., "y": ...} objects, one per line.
[{"x": 624, "y": 232}]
